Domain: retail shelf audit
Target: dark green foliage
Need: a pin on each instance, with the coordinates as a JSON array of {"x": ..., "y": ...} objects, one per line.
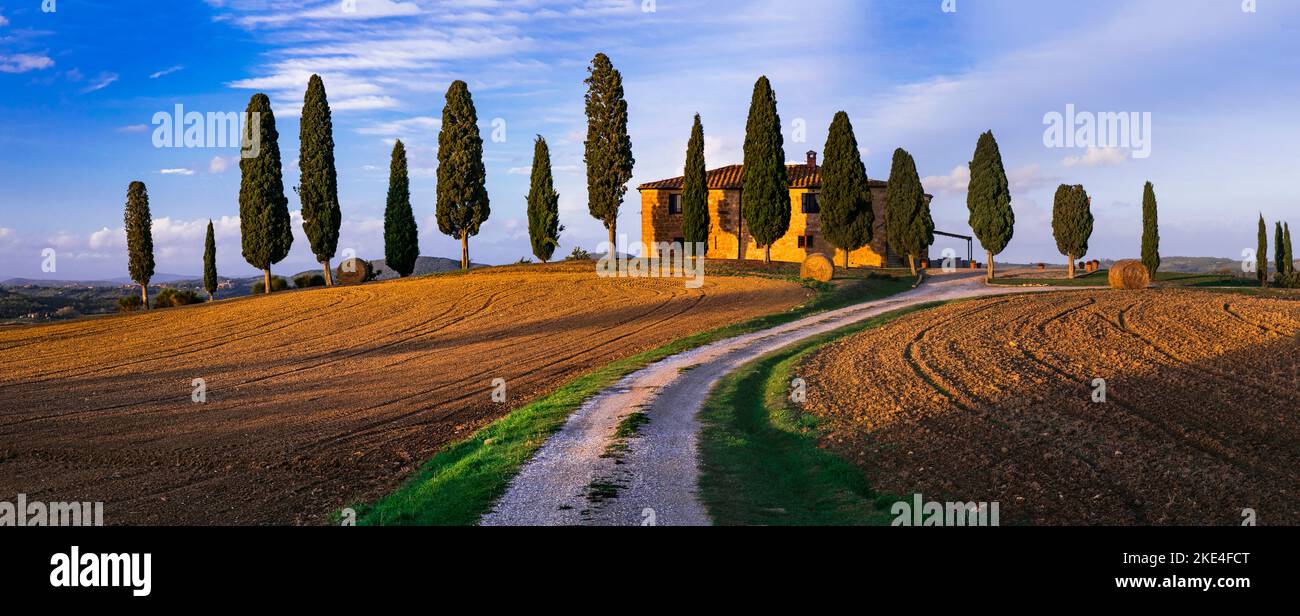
[
  {"x": 263, "y": 208},
  {"x": 318, "y": 187},
  {"x": 171, "y": 298},
  {"x": 765, "y": 185},
  {"x": 909, "y": 228},
  {"x": 306, "y": 280},
  {"x": 847, "y": 216},
  {"x": 139, "y": 237},
  {"x": 1279, "y": 250},
  {"x": 1150, "y": 230},
  {"x": 210, "y": 262},
  {"x": 695, "y": 189},
  {"x": 462, "y": 192},
  {"x": 1288, "y": 257},
  {"x": 1261, "y": 254},
  {"x": 401, "y": 235},
  {"x": 130, "y": 303},
  {"x": 543, "y": 204},
  {"x": 608, "y": 148},
  {"x": 278, "y": 283},
  {"x": 1072, "y": 222},
  {"x": 578, "y": 254},
  {"x": 988, "y": 198}
]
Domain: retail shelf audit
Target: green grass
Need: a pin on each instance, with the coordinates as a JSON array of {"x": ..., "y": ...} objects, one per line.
[
  {"x": 460, "y": 483},
  {"x": 760, "y": 463}
]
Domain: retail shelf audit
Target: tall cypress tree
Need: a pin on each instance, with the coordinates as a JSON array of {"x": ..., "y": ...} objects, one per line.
[
  {"x": 1261, "y": 254},
  {"x": 695, "y": 189},
  {"x": 319, "y": 187},
  {"x": 847, "y": 216},
  {"x": 608, "y": 148},
  {"x": 988, "y": 197},
  {"x": 543, "y": 204},
  {"x": 210, "y": 263},
  {"x": 263, "y": 209},
  {"x": 462, "y": 191},
  {"x": 765, "y": 184},
  {"x": 909, "y": 228},
  {"x": 1279, "y": 252},
  {"x": 401, "y": 235},
  {"x": 1150, "y": 231},
  {"x": 1072, "y": 222},
  {"x": 139, "y": 238},
  {"x": 1288, "y": 257}
]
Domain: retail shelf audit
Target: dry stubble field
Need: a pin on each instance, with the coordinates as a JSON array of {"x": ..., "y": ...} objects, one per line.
[
  {"x": 991, "y": 400},
  {"x": 316, "y": 398}
]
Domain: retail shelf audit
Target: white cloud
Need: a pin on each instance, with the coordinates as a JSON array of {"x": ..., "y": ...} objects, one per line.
[
  {"x": 178, "y": 171},
  {"x": 221, "y": 164},
  {"x": 133, "y": 128},
  {"x": 24, "y": 62},
  {"x": 102, "y": 81},
  {"x": 400, "y": 128},
  {"x": 3, "y": 21},
  {"x": 956, "y": 182},
  {"x": 166, "y": 71},
  {"x": 1097, "y": 157}
]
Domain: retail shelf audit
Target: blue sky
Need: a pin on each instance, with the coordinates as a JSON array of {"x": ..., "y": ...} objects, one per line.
[{"x": 79, "y": 87}]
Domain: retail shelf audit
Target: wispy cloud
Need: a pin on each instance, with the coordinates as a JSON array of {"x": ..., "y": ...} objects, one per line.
[
  {"x": 177, "y": 171},
  {"x": 24, "y": 62},
  {"x": 1097, "y": 157},
  {"x": 103, "y": 80},
  {"x": 166, "y": 71}
]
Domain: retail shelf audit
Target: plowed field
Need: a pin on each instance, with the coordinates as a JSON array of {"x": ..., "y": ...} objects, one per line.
[
  {"x": 316, "y": 398},
  {"x": 992, "y": 400}
]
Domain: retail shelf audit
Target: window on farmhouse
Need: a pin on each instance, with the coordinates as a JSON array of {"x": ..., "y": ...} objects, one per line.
[
  {"x": 806, "y": 241},
  {"x": 674, "y": 204},
  {"x": 810, "y": 205}
]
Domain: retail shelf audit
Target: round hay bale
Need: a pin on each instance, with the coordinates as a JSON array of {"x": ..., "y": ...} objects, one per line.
[
  {"x": 353, "y": 271},
  {"x": 1129, "y": 274},
  {"x": 817, "y": 267}
]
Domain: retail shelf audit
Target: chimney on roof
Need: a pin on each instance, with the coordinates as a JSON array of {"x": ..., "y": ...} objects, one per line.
[{"x": 812, "y": 159}]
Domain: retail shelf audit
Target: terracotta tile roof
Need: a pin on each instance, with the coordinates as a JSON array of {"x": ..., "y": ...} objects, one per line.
[{"x": 801, "y": 176}]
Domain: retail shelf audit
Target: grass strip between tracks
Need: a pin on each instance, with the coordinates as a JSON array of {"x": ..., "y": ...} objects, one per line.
[
  {"x": 760, "y": 463},
  {"x": 462, "y": 482}
]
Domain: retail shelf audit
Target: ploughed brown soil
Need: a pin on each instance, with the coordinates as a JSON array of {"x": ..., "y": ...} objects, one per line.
[
  {"x": 317, "y": 398},
  {"x": 991, "y": 400}
]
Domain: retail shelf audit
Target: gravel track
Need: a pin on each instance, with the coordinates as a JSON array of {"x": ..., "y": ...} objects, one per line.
[{"x": 584, "y": 475}]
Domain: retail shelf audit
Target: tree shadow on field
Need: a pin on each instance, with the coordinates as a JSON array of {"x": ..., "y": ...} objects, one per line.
[{"x": 1191, "y": 444}]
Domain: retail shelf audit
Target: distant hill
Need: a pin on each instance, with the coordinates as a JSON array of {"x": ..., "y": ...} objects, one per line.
[
  {"x": 423, "y": 265},
  {"x": 111, "y": 282}
]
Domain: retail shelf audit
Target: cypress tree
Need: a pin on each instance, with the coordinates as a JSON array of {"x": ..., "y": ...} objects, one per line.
[
  {"x": 401, "y": 235},
  {"x": 1279, "y": 252},
  {"x": 695, "y": 189},
  {"x": 210, "y": 263},
  {"x": 765, "y": 185},
  {"x": 847, "y": 216},
  {"x": 1261, "y": 254},
  {"x": 608, "y": 148},
  {"x": 988, "y": 197},
  {"x": 543, "y": 204},
  {"x": 1290, "y": 259},
  {"x": 139, "y": 238},
  {"x": 1150, "y": 231},
  {"x": 462, "y": 191},
  {"x": 1072, "y": 222},
  {"x": 319, "y": 186},
  {"x": 263, "y": 209},
  {"x": 908, "y": 226}
]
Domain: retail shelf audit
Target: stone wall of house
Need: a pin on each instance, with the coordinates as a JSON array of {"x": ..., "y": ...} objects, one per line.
[{"x": 726, "y": 226}]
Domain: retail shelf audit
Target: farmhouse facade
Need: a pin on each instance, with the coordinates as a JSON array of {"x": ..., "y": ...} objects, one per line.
[{"x": 661, "y": 219}]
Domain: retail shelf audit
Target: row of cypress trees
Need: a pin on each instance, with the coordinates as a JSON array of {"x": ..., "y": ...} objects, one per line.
[{"x": 1283, "y": 259}]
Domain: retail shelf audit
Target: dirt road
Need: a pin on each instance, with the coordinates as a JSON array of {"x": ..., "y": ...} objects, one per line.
[{"x": 584, "y": 475}]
